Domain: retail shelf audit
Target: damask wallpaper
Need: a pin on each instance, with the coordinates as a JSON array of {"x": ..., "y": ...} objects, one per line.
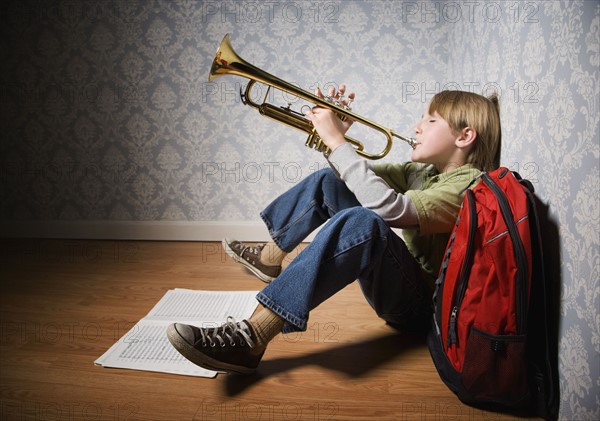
[{"x": 108, "y": 116}]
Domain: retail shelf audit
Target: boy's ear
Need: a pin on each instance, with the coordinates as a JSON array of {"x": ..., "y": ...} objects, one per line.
[{"x": 466, "y": 137}]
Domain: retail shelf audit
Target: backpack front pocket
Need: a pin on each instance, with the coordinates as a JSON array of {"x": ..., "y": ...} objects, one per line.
[{"x": 495, "y": 366}]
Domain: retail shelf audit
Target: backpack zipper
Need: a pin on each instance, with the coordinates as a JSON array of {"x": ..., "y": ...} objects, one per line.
[
  {"x": 452, "y": 326},
  {"x": 518, "y": 248},
  {"x": 465, "y": 272}
]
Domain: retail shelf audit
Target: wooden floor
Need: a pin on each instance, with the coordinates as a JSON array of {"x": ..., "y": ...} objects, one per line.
[{"x": 65, "y": 302}]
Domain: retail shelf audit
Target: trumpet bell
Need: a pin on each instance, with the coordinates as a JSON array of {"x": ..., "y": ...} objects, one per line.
[{"x": 226, "y": 61}]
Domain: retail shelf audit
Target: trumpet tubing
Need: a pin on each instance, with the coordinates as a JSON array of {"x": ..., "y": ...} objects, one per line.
[{"x": 227, "y": 62}]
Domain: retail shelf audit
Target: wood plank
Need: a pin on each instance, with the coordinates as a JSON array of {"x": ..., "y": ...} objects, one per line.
[{"x": 65, "y": 302}]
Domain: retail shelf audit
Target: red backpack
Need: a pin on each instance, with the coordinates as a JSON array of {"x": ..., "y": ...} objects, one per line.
[{"x": 490, "y": 298}]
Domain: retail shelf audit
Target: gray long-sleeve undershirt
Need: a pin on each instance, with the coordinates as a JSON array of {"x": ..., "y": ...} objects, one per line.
[{"x": 371, "y": 190}]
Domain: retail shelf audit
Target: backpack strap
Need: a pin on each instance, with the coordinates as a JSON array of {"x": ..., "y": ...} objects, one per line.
[{"x": 542, "y": 365}]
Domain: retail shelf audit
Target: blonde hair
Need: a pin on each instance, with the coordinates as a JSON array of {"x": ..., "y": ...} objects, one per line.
[{"x": 466, "y": 109}]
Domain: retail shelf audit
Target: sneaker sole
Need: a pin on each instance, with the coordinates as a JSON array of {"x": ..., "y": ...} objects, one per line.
[
  {"x": 260, "y": 275},
  {"x": 201, "y": 359}
]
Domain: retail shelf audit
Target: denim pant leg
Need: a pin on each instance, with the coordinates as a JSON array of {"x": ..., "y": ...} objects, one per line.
[
  {"x": 355, "y": 244},
  {"x": 299, "y": 211}
]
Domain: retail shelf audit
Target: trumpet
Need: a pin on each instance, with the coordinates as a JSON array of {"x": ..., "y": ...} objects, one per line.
[{"x": 227, "y": 62}]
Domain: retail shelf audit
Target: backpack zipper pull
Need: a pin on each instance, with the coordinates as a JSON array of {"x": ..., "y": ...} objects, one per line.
[
  {"x": 471, "y": 183},
  {"x": 452, "y": 327}
]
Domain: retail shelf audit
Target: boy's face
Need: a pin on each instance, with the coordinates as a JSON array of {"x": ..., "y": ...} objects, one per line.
[{"x": 436, "y": 142}]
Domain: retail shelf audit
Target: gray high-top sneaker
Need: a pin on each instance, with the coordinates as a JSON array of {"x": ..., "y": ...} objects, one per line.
[{"x": 232, "y": 347}]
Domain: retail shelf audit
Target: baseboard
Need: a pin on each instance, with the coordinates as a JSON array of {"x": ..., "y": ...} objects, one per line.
[{"x": 137, "y": 230}]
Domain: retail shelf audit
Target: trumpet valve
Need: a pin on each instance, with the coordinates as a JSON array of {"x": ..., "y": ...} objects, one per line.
[{"x": 315, "y": 142}]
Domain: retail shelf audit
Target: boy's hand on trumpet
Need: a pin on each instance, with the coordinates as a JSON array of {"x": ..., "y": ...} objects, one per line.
[{"x": 329, "y": 125}]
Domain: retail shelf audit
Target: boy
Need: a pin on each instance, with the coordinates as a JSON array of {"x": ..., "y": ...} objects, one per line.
[{"x": 456, "y": 138}]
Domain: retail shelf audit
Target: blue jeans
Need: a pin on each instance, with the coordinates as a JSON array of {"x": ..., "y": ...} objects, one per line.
[{"x": 355, "y": 243}]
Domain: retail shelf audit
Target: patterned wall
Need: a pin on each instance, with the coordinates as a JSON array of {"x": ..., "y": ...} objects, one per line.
[
  {"x": 107, "y": 113},
  {"x": 544, "y": 56}
]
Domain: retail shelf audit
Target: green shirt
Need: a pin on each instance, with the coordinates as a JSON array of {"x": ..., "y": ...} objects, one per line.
[{"x": 437, "y": 199}]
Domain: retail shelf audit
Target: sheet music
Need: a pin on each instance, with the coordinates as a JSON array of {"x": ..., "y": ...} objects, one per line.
[{"x": 146, "y": 347}]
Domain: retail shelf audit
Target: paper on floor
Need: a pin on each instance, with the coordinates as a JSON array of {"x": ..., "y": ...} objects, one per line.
[{"x": 146, "y": 347}]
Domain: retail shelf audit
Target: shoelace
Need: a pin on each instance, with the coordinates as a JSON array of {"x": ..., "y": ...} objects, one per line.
[
  {"x": 252, "y": 249},
  {"x": 228, "y": 332}
]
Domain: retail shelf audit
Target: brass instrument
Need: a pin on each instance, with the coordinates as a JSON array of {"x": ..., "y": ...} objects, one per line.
[{"x": 227, "y": 62}]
